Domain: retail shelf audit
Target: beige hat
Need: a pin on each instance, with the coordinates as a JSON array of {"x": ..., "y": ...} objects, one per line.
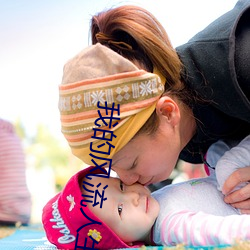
[{"x": 98, "y": 74}]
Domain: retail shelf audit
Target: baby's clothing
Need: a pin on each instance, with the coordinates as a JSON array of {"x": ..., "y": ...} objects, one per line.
[{"x": 194, "y": 212}]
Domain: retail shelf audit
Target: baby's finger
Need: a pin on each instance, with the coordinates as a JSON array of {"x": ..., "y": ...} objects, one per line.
[
  {"x": 245, "y": 211},
  {"x": 237, "y": 177},
  {"x": 244, "y": 206},
  {"x": 240, "y": 195}
]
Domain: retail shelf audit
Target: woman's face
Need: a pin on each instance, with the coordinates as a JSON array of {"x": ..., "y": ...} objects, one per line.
[{"x": 148, "y": 159}]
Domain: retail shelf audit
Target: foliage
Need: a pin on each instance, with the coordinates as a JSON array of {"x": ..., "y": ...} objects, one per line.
[{"x": 45, "y": 150}]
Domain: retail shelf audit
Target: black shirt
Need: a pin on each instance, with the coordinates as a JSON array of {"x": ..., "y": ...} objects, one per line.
[{"x": 217, "y": 67}]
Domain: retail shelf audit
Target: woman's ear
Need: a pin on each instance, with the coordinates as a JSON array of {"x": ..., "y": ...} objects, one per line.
[{"x": 168, "y": 109}]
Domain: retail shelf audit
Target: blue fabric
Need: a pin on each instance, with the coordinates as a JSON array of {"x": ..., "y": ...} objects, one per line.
[
  {"x": 186, "y": 248},
  {"x": 26, "y": 239}
]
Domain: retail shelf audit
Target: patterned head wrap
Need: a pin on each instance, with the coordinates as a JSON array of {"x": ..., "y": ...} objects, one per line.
[{"x": 98, "y": 74}]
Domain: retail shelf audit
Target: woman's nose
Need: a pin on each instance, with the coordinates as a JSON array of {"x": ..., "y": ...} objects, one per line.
[{"x": 126, "y": 177}]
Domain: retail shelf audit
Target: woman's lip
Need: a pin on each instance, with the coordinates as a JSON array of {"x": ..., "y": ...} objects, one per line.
[{"x": 148, "y": 183}]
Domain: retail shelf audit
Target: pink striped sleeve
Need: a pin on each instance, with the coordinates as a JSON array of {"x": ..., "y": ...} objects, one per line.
[{"x": 201, "y": 229}]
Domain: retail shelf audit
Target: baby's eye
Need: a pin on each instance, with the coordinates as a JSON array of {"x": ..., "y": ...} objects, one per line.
[
  {"x": 121, "y": 186},
  {"x": 120, "y": 206}
]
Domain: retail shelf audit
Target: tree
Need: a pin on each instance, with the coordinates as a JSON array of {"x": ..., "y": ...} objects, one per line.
[{"x": 45, "y": 150}]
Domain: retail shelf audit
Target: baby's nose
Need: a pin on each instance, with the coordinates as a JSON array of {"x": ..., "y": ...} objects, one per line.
[{"x": 133, "y": 197}]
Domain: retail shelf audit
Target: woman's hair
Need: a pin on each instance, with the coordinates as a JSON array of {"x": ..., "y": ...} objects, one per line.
[{"x": 137, "y": 35}]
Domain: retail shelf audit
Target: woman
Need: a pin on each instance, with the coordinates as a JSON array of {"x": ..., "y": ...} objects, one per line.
[{"x": 206, "y": 93}]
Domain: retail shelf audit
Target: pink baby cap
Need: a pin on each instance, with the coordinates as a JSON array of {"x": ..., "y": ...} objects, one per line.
[{"x": 66, "y": 220}]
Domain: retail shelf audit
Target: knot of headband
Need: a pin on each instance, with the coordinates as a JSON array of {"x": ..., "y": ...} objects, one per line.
[{"x": 100, "y": 75}]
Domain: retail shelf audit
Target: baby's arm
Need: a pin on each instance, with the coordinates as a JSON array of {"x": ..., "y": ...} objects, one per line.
[
  {"x": 201, "y": 229},
  {"x": 237, "y": 157}
]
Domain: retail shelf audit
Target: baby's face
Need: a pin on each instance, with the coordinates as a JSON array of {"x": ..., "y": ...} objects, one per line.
[{"x": 130, "y": 211}]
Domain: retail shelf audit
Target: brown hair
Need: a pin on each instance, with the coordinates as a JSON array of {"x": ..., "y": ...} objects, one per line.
[{"x": 136, "y": 34}]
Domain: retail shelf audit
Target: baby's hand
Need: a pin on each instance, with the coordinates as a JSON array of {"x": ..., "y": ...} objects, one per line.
[{"x": 240, "y": 198}]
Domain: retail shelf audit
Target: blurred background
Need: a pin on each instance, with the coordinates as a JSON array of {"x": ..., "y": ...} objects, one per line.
[{"x": 36, "y": 40}]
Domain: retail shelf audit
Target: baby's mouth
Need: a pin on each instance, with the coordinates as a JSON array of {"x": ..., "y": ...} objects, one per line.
[{"x": 147, "y": 203}]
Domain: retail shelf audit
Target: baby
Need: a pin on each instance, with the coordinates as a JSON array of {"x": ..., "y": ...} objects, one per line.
[
  {"x": 70, "y": 221},
  {"x": 96, "y": 212}
]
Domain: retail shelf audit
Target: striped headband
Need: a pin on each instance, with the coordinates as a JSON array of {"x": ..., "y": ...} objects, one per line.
[{"x": 98, "y": 75}]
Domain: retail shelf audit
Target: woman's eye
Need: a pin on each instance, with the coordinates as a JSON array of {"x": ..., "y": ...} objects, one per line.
[
  {"x": 121, "y": 186},
  {"x": 120, "y": 206}
]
